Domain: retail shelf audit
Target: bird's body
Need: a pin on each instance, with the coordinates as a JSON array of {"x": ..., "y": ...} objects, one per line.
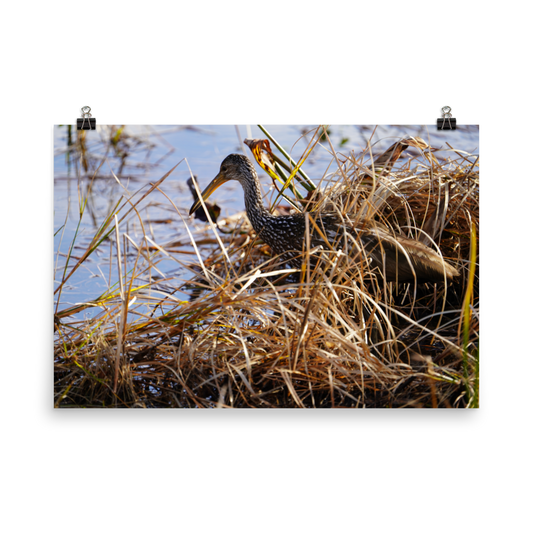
[{"x": 398, "y": 258}]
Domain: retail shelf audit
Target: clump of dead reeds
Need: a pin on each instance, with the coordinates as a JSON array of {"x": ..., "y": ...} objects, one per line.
[{"x": 245, "y": 331}]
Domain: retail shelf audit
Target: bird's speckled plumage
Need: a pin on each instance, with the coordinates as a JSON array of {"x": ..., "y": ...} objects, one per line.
[{"x": 401, "y": 259}]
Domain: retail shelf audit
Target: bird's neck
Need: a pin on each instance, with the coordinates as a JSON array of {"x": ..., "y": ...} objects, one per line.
[{"x": 256, "y": 211}]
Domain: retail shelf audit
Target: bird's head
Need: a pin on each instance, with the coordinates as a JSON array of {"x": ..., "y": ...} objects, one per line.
[{"x": 234, "y": 167}]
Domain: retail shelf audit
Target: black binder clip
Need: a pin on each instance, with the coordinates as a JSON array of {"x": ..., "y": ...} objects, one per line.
[
  {"x": 86, "y": 122},
  {"x": 446, "y": 122}
]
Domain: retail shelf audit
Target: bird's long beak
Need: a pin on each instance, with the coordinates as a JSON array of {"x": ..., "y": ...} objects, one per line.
[{"x": 208, "y": 191}]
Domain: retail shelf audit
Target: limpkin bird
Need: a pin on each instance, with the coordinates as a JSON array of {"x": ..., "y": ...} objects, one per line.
[{"x": 399, "y": 258}]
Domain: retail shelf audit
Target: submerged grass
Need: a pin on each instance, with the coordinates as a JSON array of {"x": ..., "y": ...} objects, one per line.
[{"x": 245, "y": 331}]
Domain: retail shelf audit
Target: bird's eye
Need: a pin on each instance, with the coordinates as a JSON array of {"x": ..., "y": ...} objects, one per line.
[{"x": 224, "y": 169}]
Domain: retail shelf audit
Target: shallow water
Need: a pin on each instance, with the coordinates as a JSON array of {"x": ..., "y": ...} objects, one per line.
[{"x": 152, "y": 152}]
